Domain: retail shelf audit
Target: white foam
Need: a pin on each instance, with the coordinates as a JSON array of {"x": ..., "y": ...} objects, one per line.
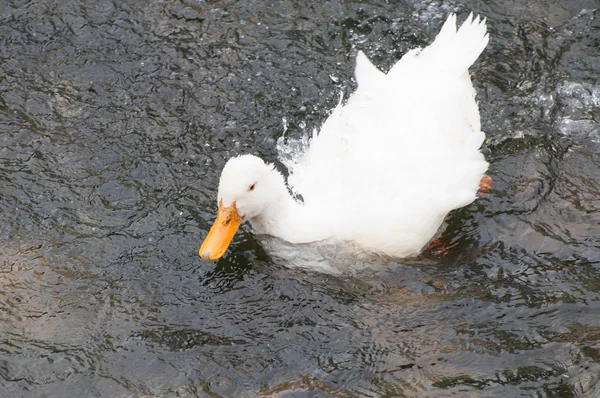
[{"x": 578, "y": 102}]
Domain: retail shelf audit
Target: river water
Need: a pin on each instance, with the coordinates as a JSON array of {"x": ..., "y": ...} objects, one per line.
[{"x": 115, "y": 120}]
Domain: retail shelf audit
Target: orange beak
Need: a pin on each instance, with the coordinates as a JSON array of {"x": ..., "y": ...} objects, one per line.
[{"x": 220, "y": 235}]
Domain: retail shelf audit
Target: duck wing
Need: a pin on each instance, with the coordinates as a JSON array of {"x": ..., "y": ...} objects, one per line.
[{"x": 406, "y": 141}]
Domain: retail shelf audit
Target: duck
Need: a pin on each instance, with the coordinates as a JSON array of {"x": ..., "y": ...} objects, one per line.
[{"x": 385, "y": 168}]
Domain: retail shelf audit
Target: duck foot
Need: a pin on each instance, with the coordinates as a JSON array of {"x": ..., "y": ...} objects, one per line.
[
  {"x": 484, "y": 185},
  {"x": 440, "y": 248}
]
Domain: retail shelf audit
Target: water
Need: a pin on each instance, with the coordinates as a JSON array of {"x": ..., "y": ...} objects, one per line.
[{"x": 116, "y": 118}]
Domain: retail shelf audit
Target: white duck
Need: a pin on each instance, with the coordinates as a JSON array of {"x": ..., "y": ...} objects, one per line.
[{"x": 384, "y": 170}]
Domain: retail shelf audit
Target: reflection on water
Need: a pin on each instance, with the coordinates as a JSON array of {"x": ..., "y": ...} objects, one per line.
[{"x": 116, "y": 119}]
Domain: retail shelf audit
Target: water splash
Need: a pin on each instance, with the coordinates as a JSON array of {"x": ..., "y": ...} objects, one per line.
[{"x": 579, "y": 107}]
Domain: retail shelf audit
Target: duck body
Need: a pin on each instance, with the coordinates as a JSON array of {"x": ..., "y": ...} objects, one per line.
[{"x": 386, "y": 167}]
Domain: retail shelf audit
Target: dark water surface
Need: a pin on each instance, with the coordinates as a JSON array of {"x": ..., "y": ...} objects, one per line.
[{"x": 115, "y": 120}]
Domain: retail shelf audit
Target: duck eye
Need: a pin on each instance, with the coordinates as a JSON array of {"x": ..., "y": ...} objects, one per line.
[{"x": 251, "y": 188}]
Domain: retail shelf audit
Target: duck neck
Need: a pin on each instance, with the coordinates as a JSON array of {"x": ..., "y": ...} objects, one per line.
[{"x": 289, "y": 220}]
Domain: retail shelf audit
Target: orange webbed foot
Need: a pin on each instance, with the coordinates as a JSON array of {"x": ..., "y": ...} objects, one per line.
[
  {"x": 484, "y": 185},
  {"x": 439, "y": 248}
]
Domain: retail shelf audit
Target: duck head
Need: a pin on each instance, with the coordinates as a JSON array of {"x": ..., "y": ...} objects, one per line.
[{"x": 247, "y": 187}]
